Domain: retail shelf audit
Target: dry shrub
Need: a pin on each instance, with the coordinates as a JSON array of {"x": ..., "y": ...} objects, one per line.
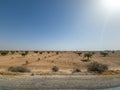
[
  {"x": 55, "y": 69},
  {"x": 97, "y": 67},
  {"x": 76, "y": 70},
  {"x": 18, "y": 69}
]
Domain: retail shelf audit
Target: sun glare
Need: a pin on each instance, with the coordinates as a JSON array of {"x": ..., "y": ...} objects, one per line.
[{"x": 112, "y": 5}]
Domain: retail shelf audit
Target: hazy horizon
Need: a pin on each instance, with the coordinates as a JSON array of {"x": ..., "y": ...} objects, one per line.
[{"x": 59, "y": 25}]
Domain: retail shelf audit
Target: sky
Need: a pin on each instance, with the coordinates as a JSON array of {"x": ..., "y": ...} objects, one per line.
[{"x": 58, "y": 25}]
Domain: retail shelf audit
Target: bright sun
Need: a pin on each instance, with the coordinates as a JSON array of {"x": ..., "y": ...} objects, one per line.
[{"x": 112, "y": 5}]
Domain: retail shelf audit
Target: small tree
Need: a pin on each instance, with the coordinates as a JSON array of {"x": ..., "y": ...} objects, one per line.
[
  {"x": 88, "y": 55},
  {"x": 113, "y": 52},
  {"x": 57, "y": 53},
  {"x": 26, "y": 52},
  {"x": 4, "y": 53},
  {"x": 23, "y": 54},
  {"x": 12, "y": 52},
  {"x": 48, "y": 52},
  {"x": 35, "y": 51},
  {"x": 104, "y": 54},
  {"x": 40, "y": 52},
  {"x": 79, "y": 53}
]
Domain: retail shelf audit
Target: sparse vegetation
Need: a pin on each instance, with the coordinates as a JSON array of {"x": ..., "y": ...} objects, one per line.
[
  {"x": 55, "y": 69},
  {"x": 23, "y": 54},
  {"x": 26, "y": 52},
  {"x": 104, "y": 53},
  {"x": 32, "y": 74},
  {"x": 88, "y": 55},
  {"x": 97, "y": 67},
  {"x": 26, "y": 62},
  {"x": 40, "y": 52},
  {"x": 79, "y": 53},
  {"x": 113, "y": 52},
  {"x": 38, "y": 59},
  {"x": 67, "y": 62},
  {"x": 12, "y": 52},
  {"x": 48, "y": 52},
  {"x": 76, "y": 70},
  {"x": 57, "y": 53},
  {"x": 4, "y": 53},
  {"x": 35, "y": 51},
  {"x": 18, "y": 69}
]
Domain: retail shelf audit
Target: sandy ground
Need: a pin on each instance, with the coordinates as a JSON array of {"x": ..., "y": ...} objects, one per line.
[
  {"x": 27, "y": 82},
  {"x": 65, "y": 61}
]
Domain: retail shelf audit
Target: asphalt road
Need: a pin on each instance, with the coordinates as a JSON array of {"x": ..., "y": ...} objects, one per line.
[{"x": 58, "y": 82}]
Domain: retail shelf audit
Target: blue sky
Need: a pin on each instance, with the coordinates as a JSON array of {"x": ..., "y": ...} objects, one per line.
[{"x": 58, "y": 25}]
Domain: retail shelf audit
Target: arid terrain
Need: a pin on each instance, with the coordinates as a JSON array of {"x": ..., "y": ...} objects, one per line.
[
  {"x": 42, "y": 62},
  {"x": 64, "y": 70}
]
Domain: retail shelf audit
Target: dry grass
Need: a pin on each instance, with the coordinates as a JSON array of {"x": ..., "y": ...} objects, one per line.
[
  {"x": 66, "y": 61},
  {"x": 117, "y": 72},
  {"x": 9, "y": 73}
]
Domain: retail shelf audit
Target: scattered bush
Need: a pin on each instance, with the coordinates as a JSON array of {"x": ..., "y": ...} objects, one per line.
[
  {"x": 79, "y": 53},
  {"x": 88, "y": 55},
  {"x": 40, "y": 52},
  {"x": 92, "y": 53},
  {"x": 23, "y": 54},
  {"x": 12, "y": 52},
  {"x": 97, "y": 67},
  {"x": 26, "y": 52},
  {"x": 104, "y": 53},
  {"x": 4, "y": 53},
  {"x": 35, "y": 51},
  {"x": 26, "y": 62},
  {"x": 85, "y": 60},
  {"x": 57, "y": 53},
  {"x": 55, "y": 69},
  {"x": 32, "y": 74},
  {"x": 38, "y": 59},
  {"x": 18, "y": 69},
  {"x": 45, "y": 57},
  {"x": 113, "y": 52},
  {"x": 48, "y": 52},
  {"x": 76, "y": 70}
]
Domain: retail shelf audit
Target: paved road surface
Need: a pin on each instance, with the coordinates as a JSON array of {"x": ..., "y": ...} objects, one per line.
[{"x": 58, "y": 82}]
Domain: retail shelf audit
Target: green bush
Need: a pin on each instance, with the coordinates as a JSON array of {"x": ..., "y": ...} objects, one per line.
[
  {"x": 104, "y": 53},
  {"x": 18, "y": 69},
  {"x": 4, "y": 53},
  {"x": 97, "y": 67}
]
